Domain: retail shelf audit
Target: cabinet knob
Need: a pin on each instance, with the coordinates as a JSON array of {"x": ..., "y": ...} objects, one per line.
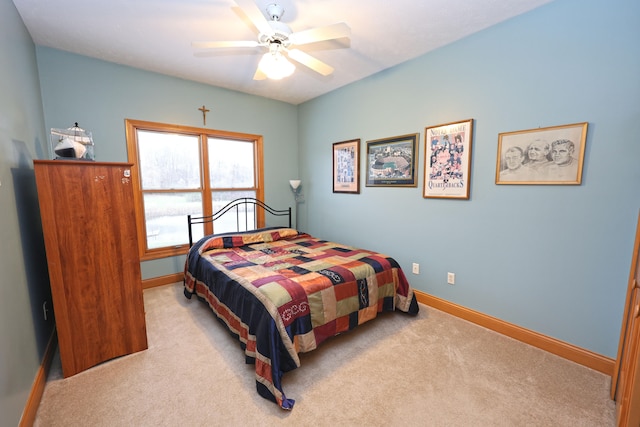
[{"x": 636, "y": 312}]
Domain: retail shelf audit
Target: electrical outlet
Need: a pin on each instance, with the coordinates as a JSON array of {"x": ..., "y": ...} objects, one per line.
[
  {"x": 451, "y": 278},
  {"x": 415, "y": 268}
]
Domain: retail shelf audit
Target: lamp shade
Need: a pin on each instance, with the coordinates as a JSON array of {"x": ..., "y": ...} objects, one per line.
[{"x": 295, "y": 183}]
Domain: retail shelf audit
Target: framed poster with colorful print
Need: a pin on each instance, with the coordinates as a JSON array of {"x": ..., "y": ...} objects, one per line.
[{"x": 447, "y": 160}]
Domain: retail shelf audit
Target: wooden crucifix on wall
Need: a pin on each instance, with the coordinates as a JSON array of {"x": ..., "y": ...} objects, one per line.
[{"x": 204, "y": 114}]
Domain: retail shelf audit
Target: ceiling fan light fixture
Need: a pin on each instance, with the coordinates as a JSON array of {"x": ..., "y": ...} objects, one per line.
[
  {"x": 275, "y": 11},
  {"x": 276, "y": 36},
  {"x": 275, "y": 66}
]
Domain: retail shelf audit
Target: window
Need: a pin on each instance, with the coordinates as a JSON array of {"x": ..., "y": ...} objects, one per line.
[{"x": 180, "y": 171}]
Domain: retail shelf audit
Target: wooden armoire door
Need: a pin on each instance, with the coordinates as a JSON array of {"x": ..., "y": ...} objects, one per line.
[
  {"x": 625, "y": 386},
  {"x": 89, "y": 227}
]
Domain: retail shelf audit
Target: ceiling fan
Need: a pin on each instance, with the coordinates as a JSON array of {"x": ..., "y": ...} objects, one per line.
[{"x": 278, "y": 38}]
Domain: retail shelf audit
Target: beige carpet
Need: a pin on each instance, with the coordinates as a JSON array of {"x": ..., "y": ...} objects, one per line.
[{"x": 429, "y": 370}]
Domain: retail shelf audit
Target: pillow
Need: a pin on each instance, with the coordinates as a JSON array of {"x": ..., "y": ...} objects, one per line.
[{"x": 232, "y": 240}]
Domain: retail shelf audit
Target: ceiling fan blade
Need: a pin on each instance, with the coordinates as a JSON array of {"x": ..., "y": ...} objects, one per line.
[
  {"x": 311, "y": 62},
  {"x": 211, "y": 45},
  {"x": 255, "y": 16},
  {"x": 259, "y": 75},
  {"x": 319, "y": 34}
]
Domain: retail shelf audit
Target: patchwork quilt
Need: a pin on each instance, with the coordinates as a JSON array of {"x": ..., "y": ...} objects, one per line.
[{"x": 281, "y": 292}]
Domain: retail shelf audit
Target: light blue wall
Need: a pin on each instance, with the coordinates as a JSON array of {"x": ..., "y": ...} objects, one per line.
[
  {"x": 24, "y": 284},
  {"x": 100, "y": 95},
  {"x": 554, "y": 259}
]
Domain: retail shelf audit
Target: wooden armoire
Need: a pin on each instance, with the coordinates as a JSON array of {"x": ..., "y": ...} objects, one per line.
[
  {"x": 625, "y": 386},
  {"x": 90, "y": 237}
]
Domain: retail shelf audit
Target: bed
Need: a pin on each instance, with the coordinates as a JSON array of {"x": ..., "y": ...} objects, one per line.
[{"x": 282, "y": 292}]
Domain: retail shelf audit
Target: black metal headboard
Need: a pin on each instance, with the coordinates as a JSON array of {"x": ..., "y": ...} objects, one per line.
[{"x": 240, "y": 206}]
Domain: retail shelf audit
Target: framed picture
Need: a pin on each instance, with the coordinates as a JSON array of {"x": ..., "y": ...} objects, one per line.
[
  {"x": 346, "y": 167},
  {"x": 391, "y": 162},
  {"x": 447, "y": 160},
  {"x": 543, "y": 156}
]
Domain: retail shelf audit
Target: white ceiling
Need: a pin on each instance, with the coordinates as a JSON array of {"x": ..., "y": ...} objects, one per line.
[{"x": 156, "y": 35}]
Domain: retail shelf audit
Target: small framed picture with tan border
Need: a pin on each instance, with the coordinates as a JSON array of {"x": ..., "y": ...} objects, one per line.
[
  {"x": 544, "y": 156},
  {"x": 346, "y": 166}
]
